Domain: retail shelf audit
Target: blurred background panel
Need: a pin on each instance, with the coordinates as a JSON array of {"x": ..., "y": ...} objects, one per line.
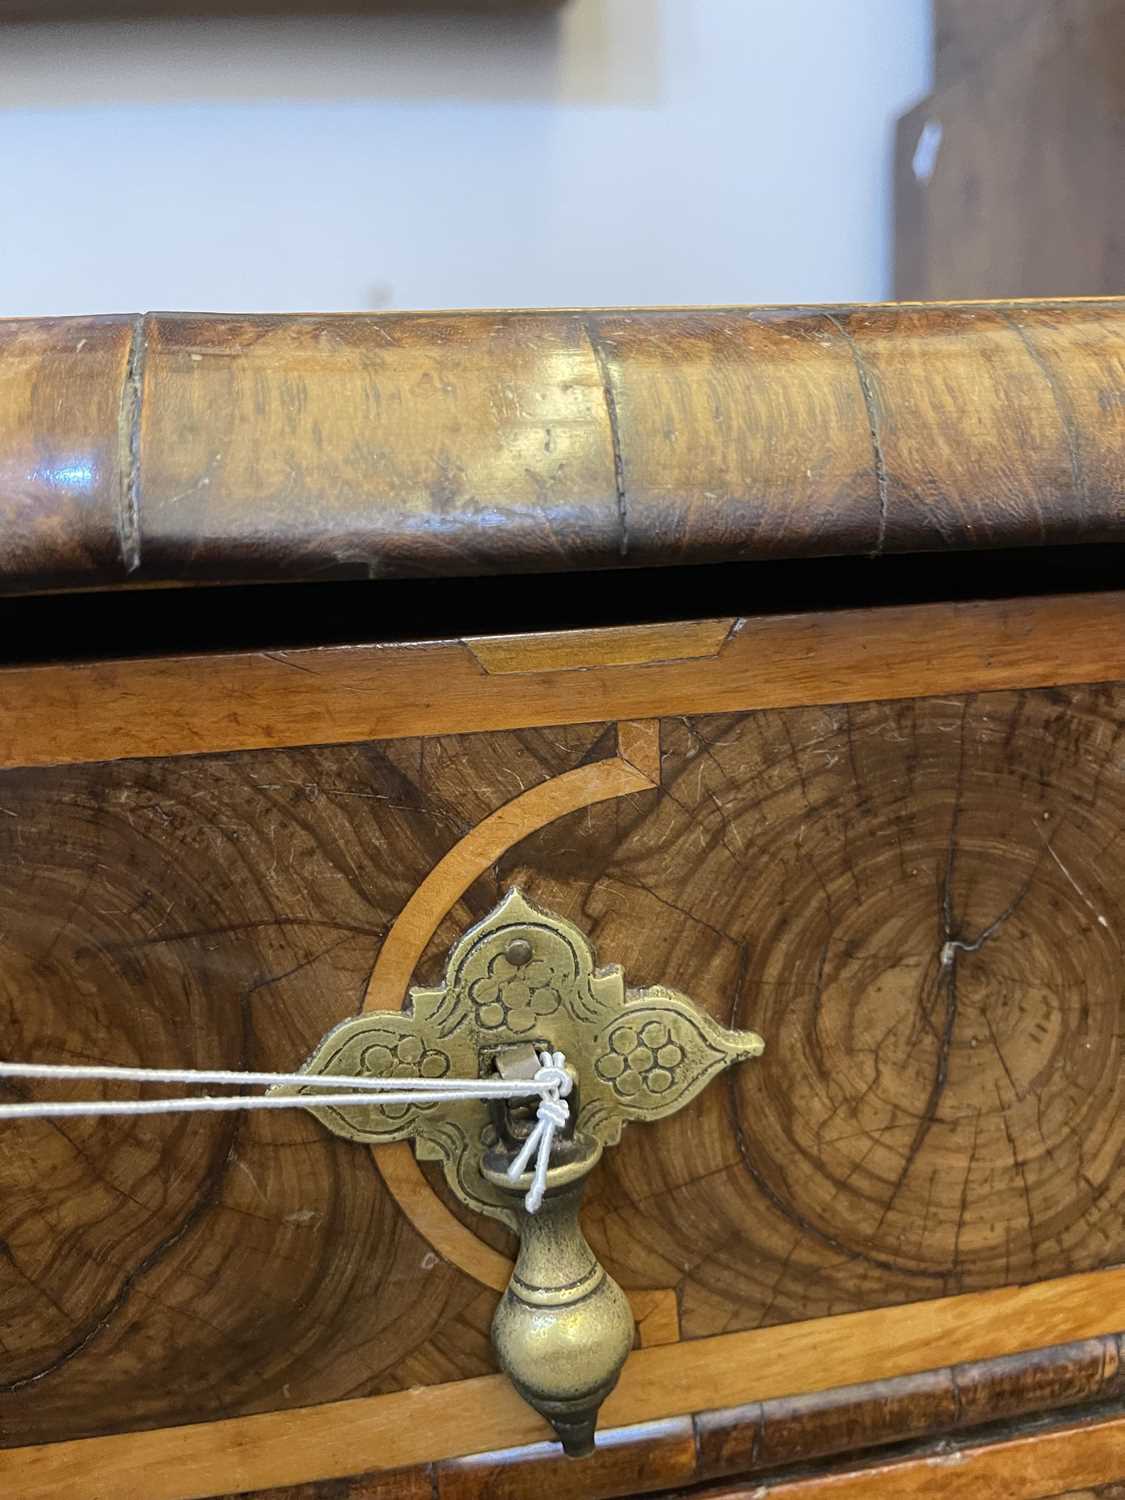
[
  {"x": 597, "y": 151},
  {"x": 40, "y": 10},
  {"x": 1010, "y": 177}
]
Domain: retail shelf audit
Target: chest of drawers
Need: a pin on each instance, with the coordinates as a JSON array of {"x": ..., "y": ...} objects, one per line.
[{"x": 780, "y": 654}]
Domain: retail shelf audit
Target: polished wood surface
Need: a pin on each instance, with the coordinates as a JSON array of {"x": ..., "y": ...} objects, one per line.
[
  {"x": 918, "y": 904},
  {"x": 772, "y": 1437},
  {"x": 60, "y": 713},
  {"x": 917, "y": 901},
  {"x": 260, "y": 1454},
  {"x": 776, "y": 1434},
  {"x": 1030, "y": 1467},
  {"x": 627, "y": 1461},
  {"x": 885, "y": 836},
  {"x": 177, "y": 447},
  {"x": 66, "y": 402},
  {"x": 445, "y": 887},
  {"x": 1020, "y": 194}
]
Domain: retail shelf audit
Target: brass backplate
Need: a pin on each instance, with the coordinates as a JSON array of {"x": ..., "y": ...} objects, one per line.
[{"x": 519, "y": 976}]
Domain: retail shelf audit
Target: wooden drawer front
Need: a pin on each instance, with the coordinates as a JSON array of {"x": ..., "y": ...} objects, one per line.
[{"x": 918, "y": 903}]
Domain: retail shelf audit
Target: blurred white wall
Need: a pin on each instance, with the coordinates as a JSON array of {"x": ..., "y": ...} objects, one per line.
[{"x": 643, "y": 151}]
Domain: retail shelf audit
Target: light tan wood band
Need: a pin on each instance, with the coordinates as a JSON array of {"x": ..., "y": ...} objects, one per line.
[
  {"x": 656, "y": 1310},
  {"x": 186, "y": 705},
  {"x": 437, "y": 1422},
  {"x": 1039, "y": 1466}
]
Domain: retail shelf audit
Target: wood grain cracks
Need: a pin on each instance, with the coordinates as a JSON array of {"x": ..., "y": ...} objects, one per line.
[
  {"x": 384, "y": 1433},
  {"x": 940, "y": 999},
  {"x": 814, "y": 872},
  {"x": 227, "y": 914},
  {"x": 620, "y": 492},
  {"x": 129, "y": 522},
  {"x": 635, "y": 768},
  {"x": 1061, "y": 402},
  {"x": 871, "y": 405},
  {"x": 103, "y": 1317},
  {"x": 477, "y": 851},
  {"x": 65, "y": 714}
]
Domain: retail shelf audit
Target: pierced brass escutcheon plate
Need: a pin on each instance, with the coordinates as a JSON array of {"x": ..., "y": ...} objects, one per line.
[{"x": 520, "y": 977}]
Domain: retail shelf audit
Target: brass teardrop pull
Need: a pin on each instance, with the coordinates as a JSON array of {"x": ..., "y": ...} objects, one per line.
[
  {"x": 563, "y": 1328},
  {"x": 519, "y": 983}
]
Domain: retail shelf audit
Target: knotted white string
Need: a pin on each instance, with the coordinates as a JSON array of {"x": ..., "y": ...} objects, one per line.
[
  {"x": 552, "y": 1115},
  {"x": 484, "y": 1088},
  {"x": 549, "y": 1084}
]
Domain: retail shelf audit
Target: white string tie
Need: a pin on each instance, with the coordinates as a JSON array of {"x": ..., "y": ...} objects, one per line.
[
  {"x": 550, "y": 1083},
  {"x": 552, "y": 1115}
]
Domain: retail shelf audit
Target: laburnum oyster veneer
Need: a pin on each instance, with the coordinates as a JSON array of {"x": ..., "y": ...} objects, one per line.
[{"x": 674, "y": 762}]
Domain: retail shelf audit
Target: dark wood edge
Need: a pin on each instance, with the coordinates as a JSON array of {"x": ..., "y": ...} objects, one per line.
[
  {"x": 167, "y": 448},
  {"x": 91, "y": 711},
  {"x": 767, "y": 1437},
  {"x": 1067, "y": 1454}
]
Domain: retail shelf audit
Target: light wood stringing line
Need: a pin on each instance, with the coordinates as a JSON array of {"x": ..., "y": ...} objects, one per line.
[
  {"x": 432, "y": 1423},
  {"x": 656, "y": 1311},
  {"x": 52, "y": 715}
]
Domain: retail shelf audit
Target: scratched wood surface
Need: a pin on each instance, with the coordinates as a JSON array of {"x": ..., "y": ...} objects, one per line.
[
  {"x": 59, "y": 712},
  {"x": 215, "y": 447},
  {"x": 918, "y": 903},
  {"x": 920, "y": 906},
  {"x": 1079, "y": 1460},
  {"x": 223, "y": 913},
  {"x": 361, "y": 1450}
]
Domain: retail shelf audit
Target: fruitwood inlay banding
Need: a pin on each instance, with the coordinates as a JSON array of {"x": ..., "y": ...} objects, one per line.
[
  {"x": 921, "y": 907},
  {"x": 429, "y": 1425},
  {"x": 613, "y": 646},
  {"x": 444, "y": 886},
  {"x": 655, "y": 1311},
  {"x": 965, "y": 1015},
  {"x": 184, "y": 705}
]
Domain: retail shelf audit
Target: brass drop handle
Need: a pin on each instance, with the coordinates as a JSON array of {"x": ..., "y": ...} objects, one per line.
[
  {"x": 563, "y": 1328},
  {"x": 519, "y": 983}
]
